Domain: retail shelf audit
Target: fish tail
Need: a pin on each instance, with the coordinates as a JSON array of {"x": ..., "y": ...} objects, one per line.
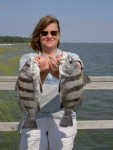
[
  {"x": 66, "y": 121},
  {"x": 30, "y": 124},
  {"x": 86, "y": 79},
  {"x": 67, "y": 118}
]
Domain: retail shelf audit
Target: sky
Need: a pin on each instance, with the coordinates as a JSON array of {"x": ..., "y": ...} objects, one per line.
[{"x": 80, "y": 20}]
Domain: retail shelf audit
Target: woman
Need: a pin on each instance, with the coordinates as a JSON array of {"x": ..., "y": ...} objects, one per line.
[{"x": 45, "y": 42}]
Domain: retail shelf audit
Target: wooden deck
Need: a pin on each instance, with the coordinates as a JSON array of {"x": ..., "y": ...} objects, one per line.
[
  {"x": 97, "y": 83},
  {"x": 92, "y": 124}
]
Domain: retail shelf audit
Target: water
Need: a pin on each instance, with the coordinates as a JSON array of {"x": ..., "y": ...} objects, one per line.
[
  {"x": 97, "y": 58},
  {"x": 98, "y": 61}
]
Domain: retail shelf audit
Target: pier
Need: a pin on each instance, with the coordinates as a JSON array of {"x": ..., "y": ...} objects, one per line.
[{"x": 97, "y": 83}]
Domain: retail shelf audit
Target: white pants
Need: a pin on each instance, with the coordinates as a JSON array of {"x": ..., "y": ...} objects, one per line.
[{"x": 48, "y": 133}]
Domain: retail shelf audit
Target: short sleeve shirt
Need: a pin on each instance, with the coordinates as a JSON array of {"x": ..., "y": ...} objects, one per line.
[{"x": 50, "y": 100}]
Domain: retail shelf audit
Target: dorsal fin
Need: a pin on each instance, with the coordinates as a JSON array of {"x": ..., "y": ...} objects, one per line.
[{"x": 86, "y": 79}]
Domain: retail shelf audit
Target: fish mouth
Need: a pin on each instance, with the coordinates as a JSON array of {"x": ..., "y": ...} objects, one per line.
[{"x": 63, "y": 57}]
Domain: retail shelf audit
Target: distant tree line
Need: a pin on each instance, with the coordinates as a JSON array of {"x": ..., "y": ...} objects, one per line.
[{"x": 14, "y": 39}]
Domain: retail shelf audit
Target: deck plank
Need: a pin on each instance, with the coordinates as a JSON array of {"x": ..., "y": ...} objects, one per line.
[
  {"x": 92, "y": 124},
  {"x": 97, "y": 82}
]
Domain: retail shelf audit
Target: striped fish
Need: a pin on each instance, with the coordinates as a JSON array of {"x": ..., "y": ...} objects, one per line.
[
  {"x": 29, "y": 88},
  {"x": 71, "y": 82}
]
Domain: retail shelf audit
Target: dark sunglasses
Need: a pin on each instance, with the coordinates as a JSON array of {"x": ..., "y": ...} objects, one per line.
[{"x": 45, "y": 33}]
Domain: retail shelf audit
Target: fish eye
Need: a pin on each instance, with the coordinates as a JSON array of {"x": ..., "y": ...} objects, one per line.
[
  {"x": 70, "y": 61},
  {"x": 27, "y": 65}
]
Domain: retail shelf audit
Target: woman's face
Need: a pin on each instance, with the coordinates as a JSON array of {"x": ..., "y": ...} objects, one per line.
[{"x": 49, "y": 37}]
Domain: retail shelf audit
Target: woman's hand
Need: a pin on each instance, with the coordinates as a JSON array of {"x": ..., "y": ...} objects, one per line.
[
  {"x": 48, "y": 65},
  {"x": 54, "y": 65},
  {"x": 43, "y": 64},
  {"x": 79, "y": 64},
  {"x": 44, "y": 67}
]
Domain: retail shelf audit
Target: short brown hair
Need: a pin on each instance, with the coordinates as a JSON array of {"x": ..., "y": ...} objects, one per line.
[{"x": 43, "y": 23}]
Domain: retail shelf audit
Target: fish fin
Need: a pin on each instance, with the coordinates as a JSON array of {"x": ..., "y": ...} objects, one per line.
[
  {"x": 86, "y": 79},
  {"x": 66, "y": 121},
  {"x": 61, "y": 105},
  {"x": 17, "y": 85},
  {"x": 41, "y": 90},
  {"x": 67, "y": 118},
  {"x": 59, "y": 86},
  {"x": 30, "y": 124},
  {"x": 38, "y": 107}
]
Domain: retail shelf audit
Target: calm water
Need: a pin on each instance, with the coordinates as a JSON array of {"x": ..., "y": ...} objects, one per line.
[{"x": 98, "y": 61}]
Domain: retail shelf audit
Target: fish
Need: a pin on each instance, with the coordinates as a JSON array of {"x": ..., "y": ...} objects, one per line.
[
  {"x": 71, "y": 83},
  {"x": 29, "y": 88}
]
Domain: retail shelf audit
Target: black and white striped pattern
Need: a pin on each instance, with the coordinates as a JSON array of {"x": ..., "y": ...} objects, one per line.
[
  {"x": 71, "y": 90},
  {"x": 28, "y": 85}
]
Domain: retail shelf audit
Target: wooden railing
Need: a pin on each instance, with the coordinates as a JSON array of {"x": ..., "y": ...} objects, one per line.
[{"x": 97, "y": 83}]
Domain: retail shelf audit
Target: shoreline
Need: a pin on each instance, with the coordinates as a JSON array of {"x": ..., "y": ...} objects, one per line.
[{"x": 5, "y": 44}]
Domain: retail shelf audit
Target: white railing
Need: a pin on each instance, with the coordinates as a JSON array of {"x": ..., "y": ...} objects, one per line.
[{"x": 97, "y": 82}]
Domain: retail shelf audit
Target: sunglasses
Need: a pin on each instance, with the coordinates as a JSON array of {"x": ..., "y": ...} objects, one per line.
[{"x": 45, "y": 33}]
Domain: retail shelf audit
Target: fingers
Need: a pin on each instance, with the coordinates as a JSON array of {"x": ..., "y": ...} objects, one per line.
[
  {"x": 54, "y": 67},
  {"x": 37, "y": 58},
  {"x": 43, "y": 63},
  {"x": 50, "y": 64},
  {"x": 58, "y": 57},
  {"x": 53, "y": 60},
  {"x": 79, "y": 64}
]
